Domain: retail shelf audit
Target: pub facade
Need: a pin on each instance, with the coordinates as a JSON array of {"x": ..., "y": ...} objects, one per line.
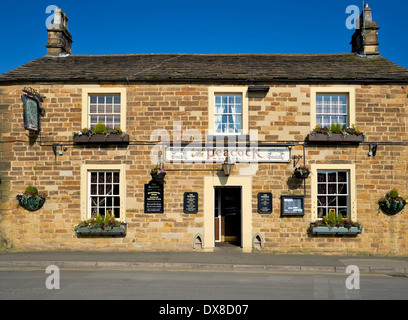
[{"x": 199, "y": 152}]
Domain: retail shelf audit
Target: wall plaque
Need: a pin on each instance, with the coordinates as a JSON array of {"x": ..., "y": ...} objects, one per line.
[
  {"x": 153, "y": 197},
  {"x": 292, "y": 206},
  {"x": 190, "y": 203},
  {"x": 265, "y": 203}
]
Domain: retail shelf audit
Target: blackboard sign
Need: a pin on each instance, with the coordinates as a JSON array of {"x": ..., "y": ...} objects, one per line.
[
  {"x": 265, "y": 203},
  {"x": 153, "y": 197},
  {"x": 190, "y": 203},
  {"x": 292, "y": 205}
]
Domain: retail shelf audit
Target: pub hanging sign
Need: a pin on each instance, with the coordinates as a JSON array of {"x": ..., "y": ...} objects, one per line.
[{"x": 32, "y": 109}]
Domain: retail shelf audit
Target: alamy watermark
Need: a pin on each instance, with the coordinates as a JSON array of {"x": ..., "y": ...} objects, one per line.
[
  {"x": 353, "y": 21},
  {"x": 50, "y": 9},
  {"x": 52, "y": 281},
  {"x": 353, "y": 281}
]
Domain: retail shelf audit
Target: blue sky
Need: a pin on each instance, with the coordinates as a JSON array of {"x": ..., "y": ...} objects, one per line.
[{"x": 210, "y": 26}]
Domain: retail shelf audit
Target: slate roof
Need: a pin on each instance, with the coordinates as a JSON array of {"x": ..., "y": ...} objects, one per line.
[{"x": 343, "y": 67}]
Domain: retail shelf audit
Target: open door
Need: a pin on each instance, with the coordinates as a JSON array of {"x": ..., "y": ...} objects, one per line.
[{"x": 227, "y": 215}]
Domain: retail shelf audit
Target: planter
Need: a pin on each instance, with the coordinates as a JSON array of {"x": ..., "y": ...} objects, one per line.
[
  {"x": 158, "y": 176},
  {"x": 335, "y": 138},
  {"x": 393, "y": 208},
  {"x": 31, "y": 203},
  {"x": 115, "y": 231},
  {"x": 298, "y": 175},
  {"x": 101, "y": 139},
  {"x": 336, "y": 230}
]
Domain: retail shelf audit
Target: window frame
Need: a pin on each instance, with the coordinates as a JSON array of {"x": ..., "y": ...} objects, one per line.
[
  {"x": 349, "y": 91},
  {"x": 212, "y": 92},
  {"x": 87, "y": 92},
  {"x": 328, "y": 195},
  {"x": 86, "y": 188},
  {"x": 350, "y": 168}
]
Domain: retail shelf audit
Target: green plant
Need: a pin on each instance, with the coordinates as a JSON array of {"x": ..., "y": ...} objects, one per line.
[
  {"x": 30, "y": 190},
  {"x": 31, "y": 199},
  {"x": 336, "y": 128},
  {"x": 97, "y": 221},
  {"x": 100, "y": 128},
  {"x": 392, "y": 203},
  {"x": 331, "y": 221}
]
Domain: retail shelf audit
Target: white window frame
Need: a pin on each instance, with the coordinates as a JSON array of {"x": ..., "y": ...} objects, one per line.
[
  {"x": 334, "y": 195},
  {"x": 88, "y": 92},
  {"x": 86, "y": 187},
  {"x": 212, "y": 92},
  {"x": 348, "y": 91},
  {"x": 351, "y": 185}
]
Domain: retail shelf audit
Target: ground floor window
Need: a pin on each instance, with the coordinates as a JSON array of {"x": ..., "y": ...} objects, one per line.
[
  {"x": 333, "y": 188},
  {"x": 104, "y": 192},
  {"x": 332, "y": 193}
]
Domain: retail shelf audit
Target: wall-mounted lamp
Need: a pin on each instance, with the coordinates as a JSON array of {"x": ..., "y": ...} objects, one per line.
[
  {"x": 373, "y": 149},
  {"x": 54, "y": 149},
  {"x": 227, "y": 166}
]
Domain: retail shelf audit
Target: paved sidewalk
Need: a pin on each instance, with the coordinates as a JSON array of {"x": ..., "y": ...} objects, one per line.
[{"x": 221, "y": 260}]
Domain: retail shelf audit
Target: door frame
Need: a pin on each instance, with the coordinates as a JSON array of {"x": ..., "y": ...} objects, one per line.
[
  {"x": 219, "y": 214},
  {"x": 210, "y": 182}
]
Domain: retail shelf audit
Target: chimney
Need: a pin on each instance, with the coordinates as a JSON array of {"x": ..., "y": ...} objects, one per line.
[
  {"x": 59, "y": 38},
  {"x": 365, "y": 39}
]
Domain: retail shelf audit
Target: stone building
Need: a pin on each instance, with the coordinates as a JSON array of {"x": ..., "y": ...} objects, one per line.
[{"x": 229, "y": 130}]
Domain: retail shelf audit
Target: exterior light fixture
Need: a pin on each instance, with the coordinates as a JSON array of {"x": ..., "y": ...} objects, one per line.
[
  {"x": 227, "y": 166},
  {"x": 373, "y": 149}
]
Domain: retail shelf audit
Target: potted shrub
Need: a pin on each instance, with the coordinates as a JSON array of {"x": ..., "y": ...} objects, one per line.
[
  {"x": 332, "y": 225},
  {"x": 31, "y": 200},
  {"x": 101, "y": 135},
  {"x": 101, "y": 226},
  {"x": 336, "y": 134},
  {"x": 392, "y": 203},
  {"x": 158, "y": 173},
  {"x": 302, "y": 172}
]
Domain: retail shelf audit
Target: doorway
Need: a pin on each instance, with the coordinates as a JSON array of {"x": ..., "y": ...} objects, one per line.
[{"x": 227, "y": 215}]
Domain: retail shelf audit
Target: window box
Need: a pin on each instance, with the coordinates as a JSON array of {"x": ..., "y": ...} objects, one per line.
[
  {"x": 114, "y": 231},
  {"x": 335, "y": 138},
  {"x": 335, "y": 230},
  {"x": 101, "y": 139}
]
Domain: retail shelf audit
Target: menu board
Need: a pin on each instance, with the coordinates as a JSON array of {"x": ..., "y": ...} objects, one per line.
[
  {"x": 292, "y": 205},
  {"x": 265, "y": 203},
  {"x": 190, "y": 203},
  {"x": 153, "y": 202}
]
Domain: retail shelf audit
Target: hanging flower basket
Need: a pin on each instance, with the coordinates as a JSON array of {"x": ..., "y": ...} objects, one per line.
[
  {"x": 392, "y": 203},
  {"x": 302, "y": 172},
  {"x": 158, "y": 174},
  {"x": 31, "y": 200}
]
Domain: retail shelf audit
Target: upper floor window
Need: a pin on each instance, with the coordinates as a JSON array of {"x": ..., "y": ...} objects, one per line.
[
  {"x": 228, "y": 110},
  {"x": 104, "y": 105},
  {"x": 332, "y": 105},
  {"x": 332, "y": 109},
  {"x": 104, "y": 109},
  {"x": 228, "y": 114}
]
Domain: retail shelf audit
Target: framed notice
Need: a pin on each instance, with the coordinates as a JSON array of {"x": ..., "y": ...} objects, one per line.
[
  {"x": 153, "y": 197},
  {"x": 190, "y": 202},
  {"x": 264, "y": 203},
  {"x": 292, "y": 205}
]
